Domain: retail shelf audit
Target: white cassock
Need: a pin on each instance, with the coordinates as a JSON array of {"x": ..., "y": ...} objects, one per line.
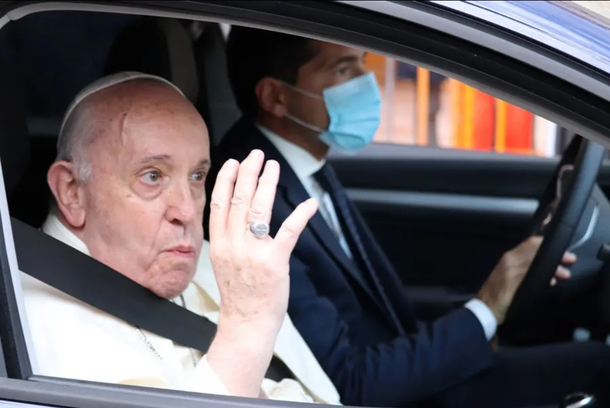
[{"x": 74, "y": 340}]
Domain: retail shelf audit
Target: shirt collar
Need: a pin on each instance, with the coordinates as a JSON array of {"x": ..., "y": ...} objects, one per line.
[
  {"x": 300, "y": 160},
  {"x": 55, "y": 228}
]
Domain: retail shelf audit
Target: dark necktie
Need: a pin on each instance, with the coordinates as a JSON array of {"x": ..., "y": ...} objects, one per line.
[{"x": 329, "y": 182}]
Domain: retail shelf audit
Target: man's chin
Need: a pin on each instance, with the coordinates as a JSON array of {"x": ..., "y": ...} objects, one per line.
[{"x": 173, "y": 283}]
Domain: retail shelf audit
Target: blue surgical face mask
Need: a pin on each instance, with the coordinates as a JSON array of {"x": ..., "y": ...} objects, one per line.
[{"x": 354, "y": 108}]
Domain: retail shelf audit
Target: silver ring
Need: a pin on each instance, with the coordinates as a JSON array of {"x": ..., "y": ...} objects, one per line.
[{"x": 259, "y": 229}]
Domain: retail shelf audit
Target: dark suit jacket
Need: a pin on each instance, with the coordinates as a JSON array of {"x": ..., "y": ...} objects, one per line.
[{"x": 372, "y": 359}]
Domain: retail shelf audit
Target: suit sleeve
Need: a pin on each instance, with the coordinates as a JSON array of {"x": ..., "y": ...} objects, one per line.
[{"x": 440, "y": 354}]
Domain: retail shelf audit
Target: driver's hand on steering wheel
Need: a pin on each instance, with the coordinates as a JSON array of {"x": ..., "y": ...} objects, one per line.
[{"x": 500, "y": 287}]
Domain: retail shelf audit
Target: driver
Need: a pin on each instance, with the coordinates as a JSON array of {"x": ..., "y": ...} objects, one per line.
[
  {"x": 299, "y": 97},
  {"x": 129, "y": 189}
]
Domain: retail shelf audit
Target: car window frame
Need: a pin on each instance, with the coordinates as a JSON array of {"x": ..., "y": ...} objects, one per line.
[{"x": 410, "y": 41}]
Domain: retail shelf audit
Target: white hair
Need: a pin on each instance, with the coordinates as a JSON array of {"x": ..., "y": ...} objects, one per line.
[{"x": 79, "y": 125}]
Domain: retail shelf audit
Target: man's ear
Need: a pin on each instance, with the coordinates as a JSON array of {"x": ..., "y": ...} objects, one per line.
[
  {"x": 271, "y": 98},
  {"x": 68, "y": 193}
]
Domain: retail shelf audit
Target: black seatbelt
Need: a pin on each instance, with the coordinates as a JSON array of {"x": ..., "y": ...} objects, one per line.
[{"x": 90, "y": 281}]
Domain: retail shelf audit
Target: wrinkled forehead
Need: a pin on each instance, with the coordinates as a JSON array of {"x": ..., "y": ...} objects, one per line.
[{"x": 144, "y": 121}]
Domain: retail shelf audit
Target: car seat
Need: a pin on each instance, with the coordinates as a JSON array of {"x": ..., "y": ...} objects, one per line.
[
  {"x": 55, "y": 55},
  {"x": 189, "y": 54},
  {"x": 210, "y": 54},
  {"x": 158, "y": 46}
]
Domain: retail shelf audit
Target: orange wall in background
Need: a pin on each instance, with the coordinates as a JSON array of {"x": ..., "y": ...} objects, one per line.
[
  {"x": 519, "y": 130},
  {"x": 376, "y": 63},
  {"x": 484, "y": 121},
  {"x": 473, "y": 117},
  {"x": 480, "y": 121}
]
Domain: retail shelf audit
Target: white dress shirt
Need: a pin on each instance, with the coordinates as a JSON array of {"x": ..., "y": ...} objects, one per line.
[
  {"x": 305, "y": 166},
  {"x": 74, "y": 340}
]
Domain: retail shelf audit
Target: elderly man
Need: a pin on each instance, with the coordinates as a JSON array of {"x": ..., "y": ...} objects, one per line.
[{"x": 129, "y": 190}]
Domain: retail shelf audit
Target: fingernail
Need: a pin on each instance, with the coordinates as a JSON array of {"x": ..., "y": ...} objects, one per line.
[
  {"x": 571, "y": 257},
  {"x": 231, "y": 164},
  {"x": 271, "y": 164},
  {"x": 256, "y": 154}
]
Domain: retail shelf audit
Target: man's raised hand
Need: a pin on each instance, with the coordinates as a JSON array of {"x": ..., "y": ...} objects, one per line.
[{"x": 252, "y": 272}]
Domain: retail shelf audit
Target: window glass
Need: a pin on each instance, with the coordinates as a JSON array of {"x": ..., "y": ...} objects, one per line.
[{"x": 424, "y": 108}]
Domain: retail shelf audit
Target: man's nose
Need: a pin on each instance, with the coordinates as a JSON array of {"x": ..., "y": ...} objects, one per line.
[{"x": 182, "y": 206}]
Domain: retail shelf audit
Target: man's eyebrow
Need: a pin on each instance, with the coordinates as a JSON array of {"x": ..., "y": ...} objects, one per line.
[
  {"x": 346, "y": 58},
  {"x": 156, "y": 158},
  {"x": 166, "y": 157}
]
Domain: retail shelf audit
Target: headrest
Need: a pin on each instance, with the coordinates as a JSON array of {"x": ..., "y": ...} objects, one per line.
[
  {"x": 217, "y": 95},
  {"x": 157, "y": 46},
  {"x": 107, "y": 82},
  {"x": 14, "y": 137}
]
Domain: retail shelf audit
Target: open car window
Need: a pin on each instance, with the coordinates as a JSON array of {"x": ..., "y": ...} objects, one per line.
[{"x": 49, "y": 98}]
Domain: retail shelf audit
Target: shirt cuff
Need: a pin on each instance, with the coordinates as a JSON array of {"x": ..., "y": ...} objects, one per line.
[
  {"x": 205, "y": 380},
  {"x": 485, "y": 316},
  {"x": 285, "y": 390}
]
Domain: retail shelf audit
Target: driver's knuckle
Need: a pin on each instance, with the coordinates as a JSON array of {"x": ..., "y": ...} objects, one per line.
[
  {"x": 535, "y": 240},
  {"x": 507, "y": 260}
]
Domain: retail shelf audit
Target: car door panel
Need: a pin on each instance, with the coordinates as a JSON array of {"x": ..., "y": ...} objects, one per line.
[{"x": 444, "y": 217}]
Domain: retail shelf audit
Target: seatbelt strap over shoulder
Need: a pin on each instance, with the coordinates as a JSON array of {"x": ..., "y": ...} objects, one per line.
[{"x": 90, "y": 281}]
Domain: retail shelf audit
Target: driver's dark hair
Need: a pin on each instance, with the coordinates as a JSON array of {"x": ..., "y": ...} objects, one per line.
[{"x": 253, "y": 54}]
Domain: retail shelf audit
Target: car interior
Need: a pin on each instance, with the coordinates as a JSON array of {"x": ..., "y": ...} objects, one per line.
[{"x": 443, "y": 216}]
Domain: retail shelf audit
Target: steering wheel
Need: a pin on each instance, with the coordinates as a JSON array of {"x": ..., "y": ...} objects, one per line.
[{"x": 567, "y": 217}]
